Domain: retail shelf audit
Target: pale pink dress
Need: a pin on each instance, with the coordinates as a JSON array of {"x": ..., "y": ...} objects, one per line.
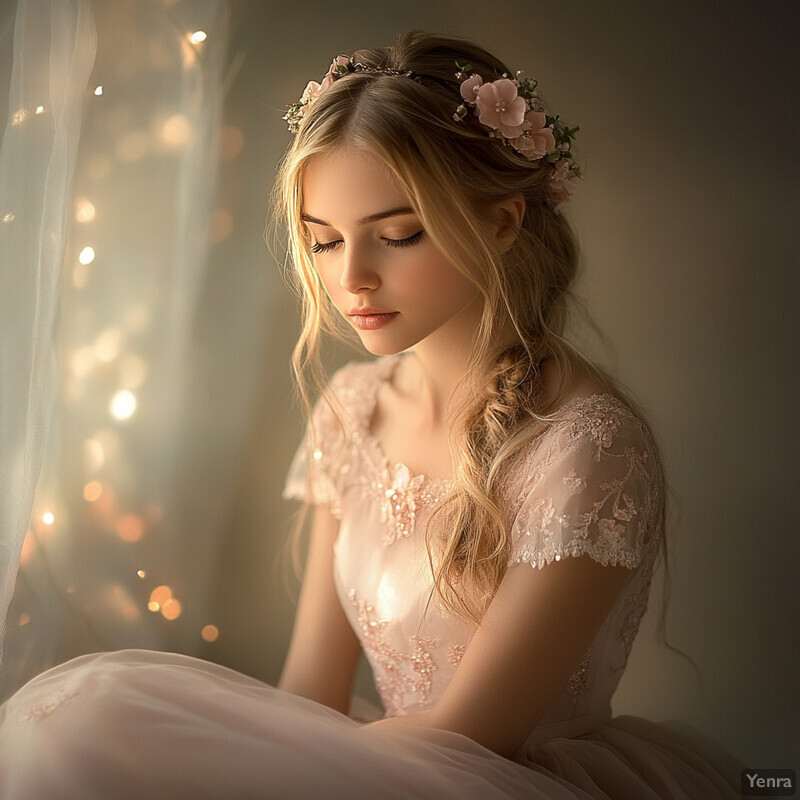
[{"x": 145, "y": 724}]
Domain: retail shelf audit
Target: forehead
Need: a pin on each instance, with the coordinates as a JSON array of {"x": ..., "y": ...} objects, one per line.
[{"x": 349, "y": 184}]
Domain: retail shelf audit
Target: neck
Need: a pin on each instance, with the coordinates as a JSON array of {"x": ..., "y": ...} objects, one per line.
[{"x": 439, "y": 378}]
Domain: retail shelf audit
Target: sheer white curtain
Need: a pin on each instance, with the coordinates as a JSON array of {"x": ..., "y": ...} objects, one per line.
[
  {"x": 52, "y": 48},
  {"x": 107, "y": 191}
]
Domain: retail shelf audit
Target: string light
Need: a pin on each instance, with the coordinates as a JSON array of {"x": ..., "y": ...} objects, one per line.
[
  {"x": 123, "y": 404},
  {"x": 141, "y": 573},
  {"x": 171, "y": 610},
  {"x": 98, "y": 91},
  {"x": 197, "y": 37},
  {"x": 210, "y": 633},
  {"x": 40, "y": 109},
  {"x": 48, "y": 518},
  {"x": 92, "y": 491},
  {"x": 176, "y": 130},
  {"x": 85, "y": 210},
  {"x": 87, "y": 255}
]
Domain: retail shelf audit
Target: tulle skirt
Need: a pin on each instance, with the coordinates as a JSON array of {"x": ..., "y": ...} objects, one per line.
[{"x": 150, "y": 725}]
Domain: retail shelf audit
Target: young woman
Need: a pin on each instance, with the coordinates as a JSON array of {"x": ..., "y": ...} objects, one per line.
[{"x": 487, "y": 506}]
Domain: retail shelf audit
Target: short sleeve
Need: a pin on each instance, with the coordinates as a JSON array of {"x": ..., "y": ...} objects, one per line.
[
  {"x": 315, "y": 472},
  {"x": 595, "y": 488}
]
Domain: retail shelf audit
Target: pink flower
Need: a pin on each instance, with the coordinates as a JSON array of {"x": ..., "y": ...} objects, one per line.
[
  {"x": 563, "y": 181},
  {"x": 339, "y": 61},
  {"x": 500, "y": 107},
  {"x": 312, "y": 91},
  {"x": 536, "y": 140},
  {"x": 470, "y": 88}
]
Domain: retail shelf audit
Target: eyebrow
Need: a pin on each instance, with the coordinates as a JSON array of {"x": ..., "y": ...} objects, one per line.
[{"x": 392, "y": 212}]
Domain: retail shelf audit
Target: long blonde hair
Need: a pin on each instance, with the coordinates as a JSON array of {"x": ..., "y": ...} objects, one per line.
[{"x": 453, "y": 174}]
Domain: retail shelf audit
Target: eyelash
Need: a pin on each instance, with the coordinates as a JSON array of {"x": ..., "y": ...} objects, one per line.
[{"x": 410, "y": 241}]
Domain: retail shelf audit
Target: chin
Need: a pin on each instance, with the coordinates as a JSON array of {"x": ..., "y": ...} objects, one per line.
[{"x": 384, "y": 348}]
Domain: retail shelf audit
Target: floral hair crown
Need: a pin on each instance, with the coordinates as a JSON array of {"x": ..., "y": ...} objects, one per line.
[{"x": 509, "y": 107}]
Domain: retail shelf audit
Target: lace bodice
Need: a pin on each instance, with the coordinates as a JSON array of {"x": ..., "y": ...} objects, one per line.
[{"x": 590, "y": 484}]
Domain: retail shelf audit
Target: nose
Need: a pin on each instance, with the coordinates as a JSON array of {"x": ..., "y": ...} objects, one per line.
[{"x": 358, "y": 273}]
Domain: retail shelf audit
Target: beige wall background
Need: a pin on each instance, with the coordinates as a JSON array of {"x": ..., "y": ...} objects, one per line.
[{"x": 687, "y": 219}]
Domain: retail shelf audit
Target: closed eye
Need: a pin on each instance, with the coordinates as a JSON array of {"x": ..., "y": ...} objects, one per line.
[
  {"x": 324, "y": 247},
  {"x": 409, "y": 241}
]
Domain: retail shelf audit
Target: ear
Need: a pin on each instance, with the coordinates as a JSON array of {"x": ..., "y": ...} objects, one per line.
[{"x": 509, "y": 214}]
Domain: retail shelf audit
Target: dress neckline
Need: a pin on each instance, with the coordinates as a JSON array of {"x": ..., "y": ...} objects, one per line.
[{"x": 385, "y": 367}]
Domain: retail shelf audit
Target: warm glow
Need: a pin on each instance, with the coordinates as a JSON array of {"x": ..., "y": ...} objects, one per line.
[
  {"x": 85, "y": 211},
  {"x": 92, "y": 491},
  {"x": 220, "y": 225},
  {"x": 130, "y": 528},
  {"x": 176, "y": 130},
  {"x": 137, "y": 319},
  {"x": 8, "y": 218},
  {"x": 171, "y": 609},
  {"x": 121, "y": 600},
  {"x": 123, "y": 404},
  {"x": 81, "y": 362},
  {"x": 141, "y": 573},
  {"x": 160, "y": 595},
  {"x": 210, "y": 633},
  {"x": 18, "y": 117},
  {"x": 24, "y": 618},
  {"x": 80, "y": 275},
  {"x": 48, "y": 518},
  {"x": 153, "y": 606},
  {"x": 132, "y": 371},
  {"x": 107, "y": 344},
  {"x": 40, "y": 109},
  {"x": 230, "y": 143},
  {"x": 28, "y": 548},
  {"x": 94, "y": 455},
  {"x": 132, "y": 146},
  {"x": 86, "y": 255},
  {"x": 197, "y": 37},
  {"x": 98, "y": 91}
]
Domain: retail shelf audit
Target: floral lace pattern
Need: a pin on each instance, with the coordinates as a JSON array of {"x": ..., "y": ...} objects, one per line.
[
  {"x": 399, "y": 673},
  {"x": 43, "y": 710},
  {"x": 590, "y": 484}
]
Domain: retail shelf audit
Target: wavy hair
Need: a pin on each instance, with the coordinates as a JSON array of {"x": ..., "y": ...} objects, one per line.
[{"x": 407, "y": 122}]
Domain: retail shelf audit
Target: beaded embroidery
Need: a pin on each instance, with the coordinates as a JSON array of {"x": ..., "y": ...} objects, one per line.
[
  {"x": 395, "y": 682},
  {"x": 578, "y": 682},
  {"x": 455, "y": 653}
]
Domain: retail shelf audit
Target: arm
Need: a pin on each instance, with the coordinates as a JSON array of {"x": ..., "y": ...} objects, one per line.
[
  {"x": 533, "y": 634},
  {"x": 585, "y": 523},
  {"x": 324, "y": 650}
]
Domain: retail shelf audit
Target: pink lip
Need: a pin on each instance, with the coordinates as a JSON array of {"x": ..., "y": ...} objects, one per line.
[
  {"x": 371, "y": 321},
  {"x": 368, "y": 311}
]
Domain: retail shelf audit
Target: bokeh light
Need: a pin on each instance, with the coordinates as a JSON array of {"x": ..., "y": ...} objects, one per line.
[
  {"x": 123, "y": 404},
  {"x": 92, "y": 491},
  {"x": 87, "y": 255},
  {"x": 48, "y": 518},
  {"x": 176, "y": 130},
  {"x": 130, "y": 528},
  {"x": 85, "y": 210},
  {"x": 197, "y": 37},
  {"x": 210, "y": 633},
  {"x": 171, "y": 610},
  {"x": 231, "y": 142}
]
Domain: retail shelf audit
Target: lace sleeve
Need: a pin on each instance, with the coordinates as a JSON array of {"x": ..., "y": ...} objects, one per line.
[
  {"x": 315, "y": 470},
  {"x": 596, "y": 487}
]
